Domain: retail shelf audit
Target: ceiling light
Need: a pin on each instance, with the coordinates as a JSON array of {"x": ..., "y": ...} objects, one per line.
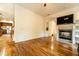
[{"x": 45, "y": 4}]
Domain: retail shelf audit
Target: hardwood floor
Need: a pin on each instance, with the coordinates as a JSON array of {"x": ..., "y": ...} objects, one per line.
[
  {"x": 43, "y": 47},
  {"x": 6, "y": 45}
]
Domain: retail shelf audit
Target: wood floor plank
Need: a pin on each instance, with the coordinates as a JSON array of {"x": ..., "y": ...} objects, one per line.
[{"x": 43, "y": 47}]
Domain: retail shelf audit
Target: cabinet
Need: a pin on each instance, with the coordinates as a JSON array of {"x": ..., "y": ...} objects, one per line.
[{"x": 68, "y": 19}]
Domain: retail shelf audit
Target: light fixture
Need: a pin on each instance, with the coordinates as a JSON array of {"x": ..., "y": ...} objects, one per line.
[{"x": 45, "y": 5}]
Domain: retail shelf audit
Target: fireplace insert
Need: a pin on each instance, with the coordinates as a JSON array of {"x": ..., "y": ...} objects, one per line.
[{"x": 65, "y": 34}]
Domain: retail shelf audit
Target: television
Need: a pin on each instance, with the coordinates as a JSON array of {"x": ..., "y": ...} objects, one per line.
[{"x": 68, "y": 19}]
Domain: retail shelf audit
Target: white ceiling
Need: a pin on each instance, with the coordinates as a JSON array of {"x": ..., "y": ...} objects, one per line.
[
  {"x": 7, "y": 10},
  {"x": 51, "y": 8}
]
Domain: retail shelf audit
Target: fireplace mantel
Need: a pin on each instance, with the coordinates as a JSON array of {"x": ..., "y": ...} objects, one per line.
[{"x": 66, "y": 27}]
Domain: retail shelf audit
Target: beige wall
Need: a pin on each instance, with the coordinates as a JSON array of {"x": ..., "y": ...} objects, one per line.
[
  {"x": 28, "y": 25},
  {"x": 52, "y": 27}
]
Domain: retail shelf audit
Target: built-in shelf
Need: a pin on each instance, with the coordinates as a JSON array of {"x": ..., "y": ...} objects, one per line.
[{"x": 76, "y": 30}]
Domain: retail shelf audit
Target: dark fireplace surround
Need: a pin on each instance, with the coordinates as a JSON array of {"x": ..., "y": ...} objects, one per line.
[{"x": 65, "y": 34}]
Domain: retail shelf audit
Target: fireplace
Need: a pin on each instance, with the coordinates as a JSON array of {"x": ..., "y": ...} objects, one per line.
[{"x": 65, "y": 34}]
